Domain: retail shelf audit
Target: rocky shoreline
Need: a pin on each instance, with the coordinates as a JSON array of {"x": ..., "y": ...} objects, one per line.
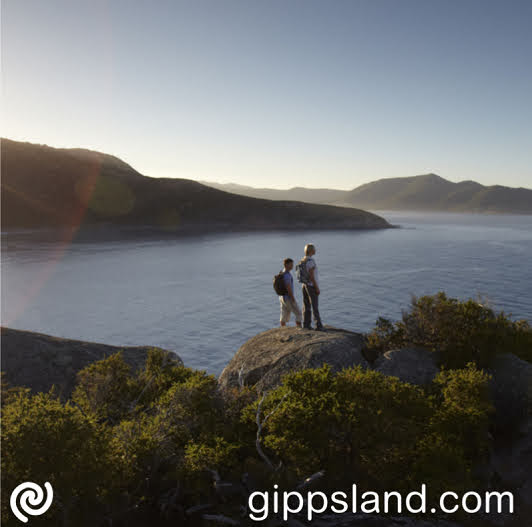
[
  {"x": 116, "y": 233},
  {"x": 38, "y": 361}
]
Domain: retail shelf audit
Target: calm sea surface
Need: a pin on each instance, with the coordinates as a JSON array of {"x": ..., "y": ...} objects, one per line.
[{"x": 203, "y": 297}]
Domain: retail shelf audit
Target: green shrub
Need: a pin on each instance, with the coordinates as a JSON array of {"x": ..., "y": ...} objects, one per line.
[
  {"x": 46, "y": 440},
  {"x": 362, "y": 426},
  {"x": 458, "y": 438},
  {"x": 133, "y": 447},
  {"x": 158, "y": 375},
  {"x": 127, "y": 441},
  {"x": 460, "y": 331},
  {"x": 161, "y": 419},
  {"x": 465, "y": 408},
  {"x": 105, "y": 389}
]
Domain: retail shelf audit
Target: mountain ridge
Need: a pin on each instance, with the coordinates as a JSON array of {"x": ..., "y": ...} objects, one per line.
[
  {"x": 48, "y": 187},
  {"x": 426, "y": 192}
]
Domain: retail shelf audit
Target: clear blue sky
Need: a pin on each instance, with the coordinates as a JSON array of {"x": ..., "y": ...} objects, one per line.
[{"x": 277, "y": 93}]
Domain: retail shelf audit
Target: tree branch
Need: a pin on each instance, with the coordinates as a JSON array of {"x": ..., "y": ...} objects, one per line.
[{"x": 260, "y": 425}]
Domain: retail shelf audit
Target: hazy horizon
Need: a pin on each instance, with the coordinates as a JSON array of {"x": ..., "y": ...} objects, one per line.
[
  {"x": 275, "y": 94},
  {"x": 260, "y": 187},
  {"x": 345, "y": 189}
]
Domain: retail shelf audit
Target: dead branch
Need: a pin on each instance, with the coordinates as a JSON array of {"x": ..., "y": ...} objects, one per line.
[
  {"x": 306, "y": 482},
  {"x": 241, "y": 376},
  {"x": 215, "y": 475},
  {"x": 260, "y": 426},
  {"x": 198, "y": 508},
  {"x": 220, "y": 518},
  {"x": 137, "y": 399}
]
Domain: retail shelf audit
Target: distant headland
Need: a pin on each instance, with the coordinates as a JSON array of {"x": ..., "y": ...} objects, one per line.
[
  {"x": 427, "y": 193},
  {"x": 45, "y": 187}
]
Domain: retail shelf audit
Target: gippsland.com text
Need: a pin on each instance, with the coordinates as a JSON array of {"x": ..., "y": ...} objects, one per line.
[{"x": 262, "y": 505}]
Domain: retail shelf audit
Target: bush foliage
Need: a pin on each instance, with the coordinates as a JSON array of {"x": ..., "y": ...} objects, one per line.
[
  {"x": 460, "y": 331},
  {"x": 362, "y": 426},
  {"x": 150, "y": 446},
  {"x": 130, "y": 447}
]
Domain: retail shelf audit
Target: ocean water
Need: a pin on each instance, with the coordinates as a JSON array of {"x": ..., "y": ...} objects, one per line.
[{"x": 203, "y": 297}]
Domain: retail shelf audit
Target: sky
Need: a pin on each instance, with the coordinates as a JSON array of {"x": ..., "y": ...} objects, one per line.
[{"x": 277, "y": 93}]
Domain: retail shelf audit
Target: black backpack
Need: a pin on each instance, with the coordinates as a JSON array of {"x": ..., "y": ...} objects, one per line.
[{"x": 278, "y": 284}]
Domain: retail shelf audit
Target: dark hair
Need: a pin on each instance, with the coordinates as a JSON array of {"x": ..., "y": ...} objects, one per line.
[{"x": 287, "y": 261}]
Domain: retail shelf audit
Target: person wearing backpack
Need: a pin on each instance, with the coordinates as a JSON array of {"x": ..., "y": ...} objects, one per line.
[
  {"x": 283, "y": 283},
  {"x": 307, "y": 274}
]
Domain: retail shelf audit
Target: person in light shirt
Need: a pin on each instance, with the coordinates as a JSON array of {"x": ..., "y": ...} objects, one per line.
[{"x": 311, "y": 289}]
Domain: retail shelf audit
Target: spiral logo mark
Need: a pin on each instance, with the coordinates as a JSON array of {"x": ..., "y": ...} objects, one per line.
[{"x": 28, "y": 496}]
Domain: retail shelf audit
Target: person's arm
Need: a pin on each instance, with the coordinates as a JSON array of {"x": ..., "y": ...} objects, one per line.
[
  {"x": 290, "y": 292},
  {"x": 313, "y": 280}
]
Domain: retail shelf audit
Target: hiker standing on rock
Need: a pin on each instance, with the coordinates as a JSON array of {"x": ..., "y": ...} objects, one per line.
[
  {"x": 307, "y": 274},
  {"x": 283, "y": 283}
]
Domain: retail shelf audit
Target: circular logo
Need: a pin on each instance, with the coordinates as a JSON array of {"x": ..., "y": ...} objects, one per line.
[{"x": 29, "y": 498}]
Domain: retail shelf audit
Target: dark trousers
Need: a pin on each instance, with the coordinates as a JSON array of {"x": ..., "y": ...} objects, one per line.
[{"x": 310, "y": 305}]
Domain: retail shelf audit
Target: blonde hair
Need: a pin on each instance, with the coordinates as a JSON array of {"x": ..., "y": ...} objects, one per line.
[{"x": 309, "y": 248}]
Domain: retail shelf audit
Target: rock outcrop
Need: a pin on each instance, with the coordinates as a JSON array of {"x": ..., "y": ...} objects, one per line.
[
  {"x": 40, "y": 361},
  {"x": 510, "y": 384},
  {"x": 512, "y": 464},
  {"x": 265, "y": 358},
  {"x": 511, "y": 388},
  {"x": 412, "y": 365}
]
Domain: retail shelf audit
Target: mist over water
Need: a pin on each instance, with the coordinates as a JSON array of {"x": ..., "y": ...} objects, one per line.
[{"x": 204, "y": 296}]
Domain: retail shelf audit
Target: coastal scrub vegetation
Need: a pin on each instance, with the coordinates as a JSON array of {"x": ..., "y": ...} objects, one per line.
[
  {"x": 459, "y": 331},
  {"x": 360, "y": 425},
  {"x": 163, "y": 442}
]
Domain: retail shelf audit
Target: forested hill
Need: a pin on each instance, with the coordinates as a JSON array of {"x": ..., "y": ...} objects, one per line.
[
  {"x": 434, "y": 193},
  {"x": 50, "y": 187},
  {"x": 428, "y": 192}
]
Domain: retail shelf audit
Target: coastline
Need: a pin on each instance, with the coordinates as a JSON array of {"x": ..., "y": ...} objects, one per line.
[{"x": 101, "y": 233}]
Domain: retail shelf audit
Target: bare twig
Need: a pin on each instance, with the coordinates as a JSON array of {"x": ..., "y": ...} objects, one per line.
[
  {"x": 215, "y": 475},
  {"x": 258, "y": 445},
  {"x": 241, "y": 376},
  {"x": 310, "y": 479},
  {"x": 135, "y": 401},
  {"x": 260, "y": 425},
  {"x": 198, "y": 508},
  {"x": 220, "y": 518},
  {"x": 74, "y": 403},
  {"x": 275, "y": 409}
]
